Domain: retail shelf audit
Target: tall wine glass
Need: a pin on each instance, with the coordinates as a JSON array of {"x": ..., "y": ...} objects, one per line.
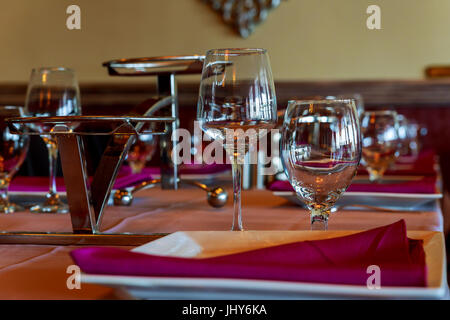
[
  {"x": 13, "y": 150},
  {"x": 236, "y": 95},
  {"x": 52, "y": 92},
  {"x": 320, "y": 151},
  {"x": 380, "y": 141}
]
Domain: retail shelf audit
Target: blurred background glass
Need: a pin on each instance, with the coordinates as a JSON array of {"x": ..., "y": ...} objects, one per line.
[
  {"x": 409, "y": 136},
  {"x": 52, "y": 92},
  {"x": 380, "y": 141},
  {"x": 13, "y": 150}
]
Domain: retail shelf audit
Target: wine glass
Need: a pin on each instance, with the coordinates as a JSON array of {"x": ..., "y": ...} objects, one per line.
[
  {"x": 380, "y": 142},
  {"x": 320, "y": 150},
  {"x": 52, "y": 92},
  {"x": 236, "y": 98},
  {"x": 408, "y": 133},
  {"x": 13, "y": 150}
]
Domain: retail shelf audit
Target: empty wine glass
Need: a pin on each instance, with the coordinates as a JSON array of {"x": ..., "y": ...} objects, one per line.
[
  {"x": 408, "y": 134},
  {"x": 380, "y": 141},
  {"x": 13, "y": 150},
  {"x": 320, "y": 150},
  {"x": 52, "y": 92},
  {"x": 237, "y": 97}
]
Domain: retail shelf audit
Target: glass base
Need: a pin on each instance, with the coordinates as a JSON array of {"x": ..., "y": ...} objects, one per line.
[
  {"x": 375, "y": 175},
  {"x": 319, "y": 220},
  {"x": 52, "y": 205},
  {"x": 237, "y": 227},
  {"x": 42, "y": 208},
  {"x": 10, "y": 208}
]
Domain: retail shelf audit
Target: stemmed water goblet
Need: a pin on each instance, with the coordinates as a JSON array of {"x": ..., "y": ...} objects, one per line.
[
  {"x": 320, "y": 151},
  {"x": 236, "y": 98},
  {"x": 52, "y": 92}
]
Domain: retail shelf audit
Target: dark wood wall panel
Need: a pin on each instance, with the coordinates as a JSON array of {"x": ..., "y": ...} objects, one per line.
[
  {"x": 426, "y": 101},
  {"x": 410, "y": 93}
]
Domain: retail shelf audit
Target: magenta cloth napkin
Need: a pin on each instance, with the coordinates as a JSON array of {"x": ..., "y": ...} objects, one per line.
[
  {"x": 34, "y": 184},
  {"x": 426, "y": 185},
  {"x": 342, "y": 260}
]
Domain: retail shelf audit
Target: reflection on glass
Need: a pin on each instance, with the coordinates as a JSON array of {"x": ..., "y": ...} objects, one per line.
[
  {"x": 141, "y": 152},
  {"x": 359, "y": 101}
]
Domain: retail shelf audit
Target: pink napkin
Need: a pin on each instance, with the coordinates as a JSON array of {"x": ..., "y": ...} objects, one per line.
[
  {"x": 342, "y": 260},
  {"x": 426, "y": 185},
  {"x": 34, "y": 184}
]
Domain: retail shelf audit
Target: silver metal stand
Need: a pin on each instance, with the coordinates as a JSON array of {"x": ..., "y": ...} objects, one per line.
[{"x": 87, "y": 201}]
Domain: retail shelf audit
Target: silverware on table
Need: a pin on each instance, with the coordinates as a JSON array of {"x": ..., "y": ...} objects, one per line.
[{"x": 217, "y": 197}]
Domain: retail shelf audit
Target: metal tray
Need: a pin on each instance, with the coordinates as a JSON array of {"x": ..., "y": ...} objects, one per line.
[{"x": 155, "y": 66}]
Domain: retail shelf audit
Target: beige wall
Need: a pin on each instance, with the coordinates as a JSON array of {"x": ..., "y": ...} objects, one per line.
[{"x": 306, "y": 39}]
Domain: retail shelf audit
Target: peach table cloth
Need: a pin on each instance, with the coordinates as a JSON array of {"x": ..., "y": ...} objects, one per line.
[{"x": 39, "y": 272}]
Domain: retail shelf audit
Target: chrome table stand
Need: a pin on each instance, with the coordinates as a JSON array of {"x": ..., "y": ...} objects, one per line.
[{"x": 87, "y": 200}]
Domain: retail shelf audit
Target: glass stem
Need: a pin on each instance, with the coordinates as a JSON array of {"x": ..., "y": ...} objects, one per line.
[
  {"x": 4, "y": 199},
  {"x": 319, "y": 219},
  {"x": 237, "y": 187},
  {"x": 375, "y": 175},
  {"x": 52, "y": 161}
]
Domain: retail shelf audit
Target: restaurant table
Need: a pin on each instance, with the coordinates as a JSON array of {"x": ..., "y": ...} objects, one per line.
[{"x": 39, "y": 271}]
